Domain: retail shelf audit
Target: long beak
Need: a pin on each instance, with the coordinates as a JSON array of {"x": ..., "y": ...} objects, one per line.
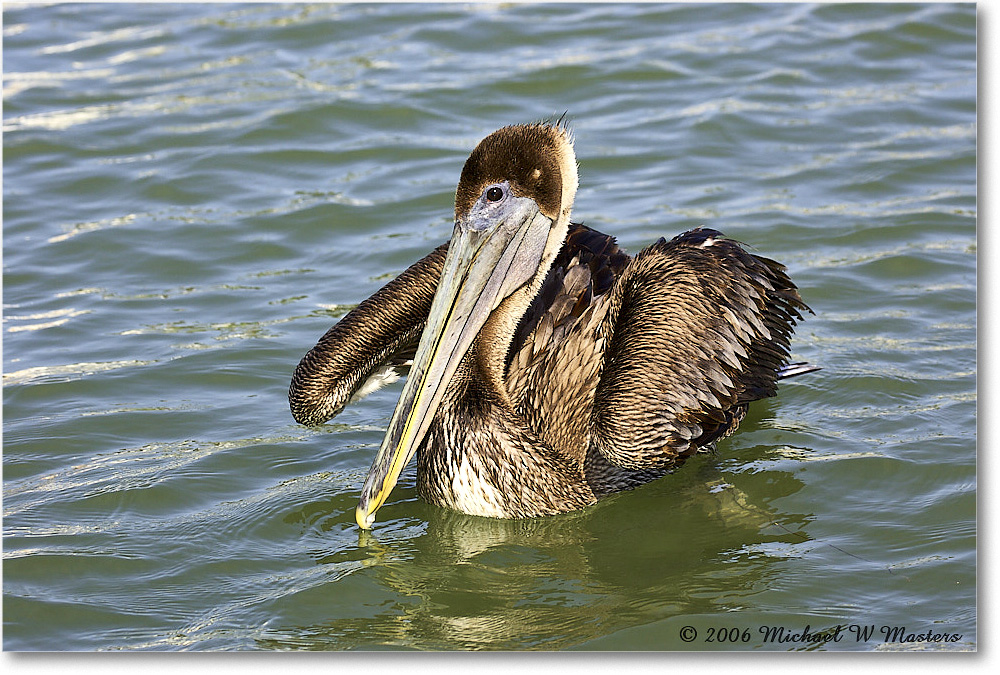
[{"x": 494, "y": 250}]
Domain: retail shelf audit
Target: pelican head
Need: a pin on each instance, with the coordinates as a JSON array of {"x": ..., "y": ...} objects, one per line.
[{"x": 512, "y": 211}]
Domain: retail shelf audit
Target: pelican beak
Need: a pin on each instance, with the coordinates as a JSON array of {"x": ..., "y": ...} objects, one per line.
[{"x": 496, "y": 249}]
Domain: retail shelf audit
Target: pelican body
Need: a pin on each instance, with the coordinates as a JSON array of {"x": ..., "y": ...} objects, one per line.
[{"x": 550, "y": 368}]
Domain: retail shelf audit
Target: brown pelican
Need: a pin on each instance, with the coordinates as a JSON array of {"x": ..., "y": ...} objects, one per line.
[{"x": 550, "y": 368}]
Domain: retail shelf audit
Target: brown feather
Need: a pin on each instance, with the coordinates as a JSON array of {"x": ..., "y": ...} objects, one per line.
[{"x": 613, "y": 372}]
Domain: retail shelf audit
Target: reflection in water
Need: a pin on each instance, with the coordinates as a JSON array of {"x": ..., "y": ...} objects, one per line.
[{"x": 447, "y": 580}]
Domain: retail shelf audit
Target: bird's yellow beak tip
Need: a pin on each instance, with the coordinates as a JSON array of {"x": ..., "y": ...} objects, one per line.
[{"x": 364, "y": 518}]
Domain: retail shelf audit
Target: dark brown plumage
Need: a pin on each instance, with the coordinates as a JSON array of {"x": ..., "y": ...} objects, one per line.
[
  {"x": 519, "y": 156},
  {"x": 591, "y": 373},
  {"x": 383, "y": 330}
]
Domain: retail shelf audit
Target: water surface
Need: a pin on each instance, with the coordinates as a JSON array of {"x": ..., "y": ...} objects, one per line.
[{"x": 193, "y": 194}]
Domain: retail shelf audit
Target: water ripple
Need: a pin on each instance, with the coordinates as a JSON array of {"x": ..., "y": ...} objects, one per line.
[{"x": 194, "y": 193}]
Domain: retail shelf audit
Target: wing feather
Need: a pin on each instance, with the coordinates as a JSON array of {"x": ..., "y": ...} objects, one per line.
[
  {"x": 556, "y": 354},
  {"x": 383, "y": 330},
  {"x": 698, "y": 328}
]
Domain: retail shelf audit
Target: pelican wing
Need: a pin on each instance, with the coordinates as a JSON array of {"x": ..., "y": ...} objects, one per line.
[
  {"x": 555, "y": 357},
  {"x": 357, "y": 352},
  {"x": 698, "y": 328}
]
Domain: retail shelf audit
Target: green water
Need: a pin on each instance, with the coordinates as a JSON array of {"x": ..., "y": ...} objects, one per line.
[{"x": 193, "y": 194}]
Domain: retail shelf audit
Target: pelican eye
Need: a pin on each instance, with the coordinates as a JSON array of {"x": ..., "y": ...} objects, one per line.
[{"x": 494, "y": 194}]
